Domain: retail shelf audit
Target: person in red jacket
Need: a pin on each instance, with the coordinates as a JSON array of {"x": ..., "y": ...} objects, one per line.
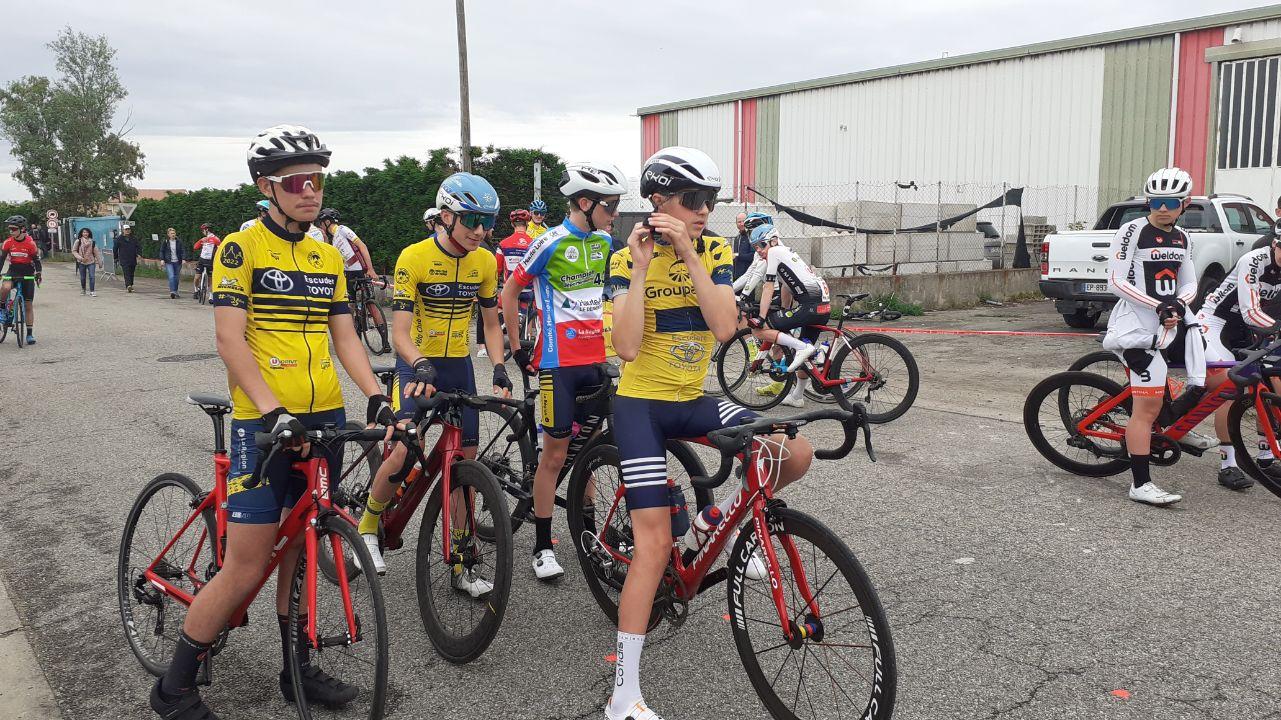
[
  {"x": 511, "y": 250},
  {"x": 205, "y": 248},
  {"x": 24, "y": 262}
]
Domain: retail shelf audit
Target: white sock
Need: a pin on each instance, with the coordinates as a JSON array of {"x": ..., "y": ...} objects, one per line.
[
  {"x": 1227, "y": 456},
  {"x": 1265, "y": 450},
  {"x": 798, "y": 389},
  {"x": 627, "y": 672},
  {"x": 794, "y": 343}
]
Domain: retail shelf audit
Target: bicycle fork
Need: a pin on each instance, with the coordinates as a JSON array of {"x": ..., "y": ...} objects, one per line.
[{"x": 767, "y": 524}]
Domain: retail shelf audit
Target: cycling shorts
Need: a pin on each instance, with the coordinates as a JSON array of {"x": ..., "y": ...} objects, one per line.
[
  {"x": 280, "y": 486},
  {"x": 354, "y": 278},
  {"x": 28, "y": 286},
  {"x": 204, "y": 266},
  {"x": 558, "y": 390},
  {"x": 643, "y": 427},
  {"x": 452, "y": 375},
  {"x": 804, "y": 315}
]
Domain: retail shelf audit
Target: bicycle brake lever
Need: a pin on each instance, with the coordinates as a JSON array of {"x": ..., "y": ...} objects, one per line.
[{"x": 867, "y": 435}]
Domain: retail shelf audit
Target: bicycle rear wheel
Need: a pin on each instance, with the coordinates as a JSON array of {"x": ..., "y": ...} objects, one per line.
[
  {"x": 847, "y": 656},
  {"x": 1249, "y": 440},
  {"x": 152, "y": 619},
  {"x": 352, "y": 489},
  {"x": 887, "y": 378},
  {"x": 744, "y": 378},
  {"x": 361, "y": 659},
  {"x": 504, "y": 449},
  {"x": 1052, "y": 411},
  {"x": 20, "y": 322},
  {"x": 462, "y": 627}
]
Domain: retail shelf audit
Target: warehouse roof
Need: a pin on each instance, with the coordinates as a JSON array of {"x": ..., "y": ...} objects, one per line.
[{"x": 1106, "y": 38}]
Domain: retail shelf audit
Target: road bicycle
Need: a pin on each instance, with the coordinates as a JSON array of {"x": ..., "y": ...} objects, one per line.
[
  {"x": 15, "y": 310},
  {"x": 371, "y": 322},
  {"x": 204, "y": 288},
  {"x": 873, "y": 369},
  {"x": 1256, "y": 416},
  {"x": 174, "y": 543},
  {"x": 815, "y": 634}
]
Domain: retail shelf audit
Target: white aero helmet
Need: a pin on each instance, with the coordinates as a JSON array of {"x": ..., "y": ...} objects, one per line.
[
  {"x": 430, "y": 215},
  {"x": 1168, "y": 183},
  {"x": 676, "y": 168},
  {"x": 595, "y": 178}
]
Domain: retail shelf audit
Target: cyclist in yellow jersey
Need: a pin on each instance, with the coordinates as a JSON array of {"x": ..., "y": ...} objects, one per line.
[
  {"x": 673, "y": 298},
  {"x": 279, "y": 297},
  {"x": 437, "y": 282},
  {"x": 538, "y": 220}
]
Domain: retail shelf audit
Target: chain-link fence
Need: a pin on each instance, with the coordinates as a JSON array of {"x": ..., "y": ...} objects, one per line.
[{"x": 904, "y": 222}]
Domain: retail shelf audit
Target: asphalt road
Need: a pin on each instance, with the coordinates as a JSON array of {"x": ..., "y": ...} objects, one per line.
[{"x": 1014, "y": 589}]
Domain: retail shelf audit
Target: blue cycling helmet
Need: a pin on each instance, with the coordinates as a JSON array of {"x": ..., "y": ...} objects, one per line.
[
  {"x": 756, "y": 219},
  {"x": 763, "y": 234},
  {"x": 466, "y": 193},
  {"x": 538, "y": 206},
  {"x": 263, "y": 205}
]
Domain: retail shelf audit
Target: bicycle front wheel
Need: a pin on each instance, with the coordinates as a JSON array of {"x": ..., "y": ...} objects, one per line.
[
  {"x": 841, "y": 649},
  {"x": 505, "y": 450},
  {"x": 462, "y": 600},
  {"x": 884, "y": 374},
  {"x": 1245, "y": 426},
  {"x": 152, "y": 619},
  {"x": 352, "y": 489},
  {"x": 1052, "y": 411},
  {"x": 20, "y": 322},
  {"x": 353, "y": 651},
  {"x": 375, "y": 332},
  {"x": 745, "y": 378}
]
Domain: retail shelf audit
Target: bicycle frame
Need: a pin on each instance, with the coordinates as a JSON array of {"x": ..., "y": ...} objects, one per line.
[
  {"x": 754, "y": 497},
  {"x": 1181, "y": 427},
  {"x": 820, "y": 374}
]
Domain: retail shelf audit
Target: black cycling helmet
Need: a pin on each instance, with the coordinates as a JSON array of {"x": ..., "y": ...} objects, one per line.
[
  {"x": 676, "y": 168},
  {"x": 327, "y": 214},
  {"x": 16, "y": 221}
]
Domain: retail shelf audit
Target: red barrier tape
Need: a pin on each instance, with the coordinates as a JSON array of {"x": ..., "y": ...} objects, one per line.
[{"x": 930, "y": 331}]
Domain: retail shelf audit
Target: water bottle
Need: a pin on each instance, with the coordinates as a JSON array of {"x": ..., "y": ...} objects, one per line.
[
  {"x": 701, "y": 528},
  {"x": 680, "y": 513},
  {"x": 821, "y": 355}
]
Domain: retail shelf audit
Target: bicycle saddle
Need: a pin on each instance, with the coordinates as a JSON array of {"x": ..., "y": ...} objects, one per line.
[
  {"x": 854, "y": 297},
  {"x": 380, "y": 369},
  {"x": 212, "y": 404}
]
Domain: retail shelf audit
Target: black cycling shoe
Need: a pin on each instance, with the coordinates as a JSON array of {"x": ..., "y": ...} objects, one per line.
[
  {"x": 184, "y": 707},
  {"x": 1233, "y": 479},
  {"x": 319, "y": 688}
]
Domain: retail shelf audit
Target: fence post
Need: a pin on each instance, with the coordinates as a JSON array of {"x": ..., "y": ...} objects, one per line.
[
  {"x": 1004, "y": 189},
  {"x": 938, "y": 231},
  {"x": 1074, "y": 210},
  {"x": 898, "y": 222},
  {"x": 854, "y": 244}
]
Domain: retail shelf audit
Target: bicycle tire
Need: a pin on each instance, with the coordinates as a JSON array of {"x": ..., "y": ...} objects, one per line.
[
  {"x": 1244, "y": 412},
  {"x": 485, "y": 614},
  {"x": 352, "y": 491},
  {"x": 374, "y": 333},
  {"x": 606, "y": 582},
  {"x": 506, "y": 455},
  {"x": 155, "y": 656},
  {"x": 4, "y": 328},
  {"x": 331, "y": 624},
  {"x": 20, "y": 321},
  {"x": 1063, "y": 413},
  {"x": 879, "y": 671},
  {"x": 736, "y": 375},
  {"x": 1102, "y": 362},
  {"x": 860, "y": 347}
]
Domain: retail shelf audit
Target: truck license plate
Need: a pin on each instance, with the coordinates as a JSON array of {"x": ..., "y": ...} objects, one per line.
[{"x": 1094, "y": 287}]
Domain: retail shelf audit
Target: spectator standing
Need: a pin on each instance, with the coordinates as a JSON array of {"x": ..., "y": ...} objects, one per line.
[
  {"x": 743, "y": 252},
  {"x": 44, "y": 241},
  {"x": 88, "y": 259},
  {"x": 172, "y": 253},
  {"x": 125, "y": 252}
]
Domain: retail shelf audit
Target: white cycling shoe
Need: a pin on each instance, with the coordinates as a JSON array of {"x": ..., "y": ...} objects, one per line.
[
  {"x": 801, "y": 356},
  {"x": 468, "y": 581},
  {"x": 1150, "y": 494},
  {"x": 546, "y": 567},
  {"x": 756, "y": 567},
  {"x": 371, "y": 542},
  {"x": 638, "y": 711},
  {"x": 796, "y": 398}
]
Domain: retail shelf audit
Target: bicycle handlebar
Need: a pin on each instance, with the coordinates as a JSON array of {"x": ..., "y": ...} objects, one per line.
[
  {"x": 731, "y": 441},
  {"x": 269, "y": 442},
  {"x": 1266, "y": 345}
]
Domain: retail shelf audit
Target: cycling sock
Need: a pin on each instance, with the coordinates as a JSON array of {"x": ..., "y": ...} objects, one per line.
[
  {"x": 373, "y": 513},
  {"x": 304, "y": 650},
  {"x": 1139, "y": 468},
  {"x": 542, "y": 534},
  {"x": 788, "y": 341},
  {"x": 1265, "y": 449},
  {"x": 627, "y": 672},
  {"x": 180, "y": 678},
  {"x": 1227, "y": 456}
]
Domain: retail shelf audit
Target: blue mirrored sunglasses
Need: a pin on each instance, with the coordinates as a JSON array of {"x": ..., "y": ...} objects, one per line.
[{"x": 1164, "y": 203}]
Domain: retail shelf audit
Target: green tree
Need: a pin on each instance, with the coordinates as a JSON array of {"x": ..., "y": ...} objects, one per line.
[{"x": 68, "y": 155}]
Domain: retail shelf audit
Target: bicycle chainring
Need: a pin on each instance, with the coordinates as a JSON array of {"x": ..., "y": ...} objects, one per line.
[{"x": 1165, "y": 452}]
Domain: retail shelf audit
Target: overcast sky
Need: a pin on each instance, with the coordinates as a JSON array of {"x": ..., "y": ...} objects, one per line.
[{"x": 379, "y": 79}]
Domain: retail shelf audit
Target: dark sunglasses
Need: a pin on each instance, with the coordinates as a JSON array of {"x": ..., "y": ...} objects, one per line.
[
  {"x": 294, "y": 184},
  {"x": 14, "y": 228},
  {"x": 1164, "y": 203},
  {"x": 609, "y": 206},
  {"x": 471, "y": 221},
  {"x": 696, "y": 200}
]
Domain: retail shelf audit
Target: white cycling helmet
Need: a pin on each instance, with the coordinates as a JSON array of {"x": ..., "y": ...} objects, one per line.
[
  {"x": 676, "y": 168},
  {"x": 1168, "y": 183},
  {"x": 283, "y": 145},
  {"x": 430, "y": 215},
  {"x": 593, "y": 178}
]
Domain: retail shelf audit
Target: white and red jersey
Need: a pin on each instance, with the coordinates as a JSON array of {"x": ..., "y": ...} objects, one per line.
[
  {"x": 511, "y": 250},
  {"x": 207, "y": 246},
  {"x": 1150, "y": 266}
]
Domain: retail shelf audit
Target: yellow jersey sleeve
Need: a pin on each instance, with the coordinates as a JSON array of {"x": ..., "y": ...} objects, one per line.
[
  {"x": 406, "y": 284},
  {"x": 232, "y": 273},
  {"x": 487, "y": 293}
]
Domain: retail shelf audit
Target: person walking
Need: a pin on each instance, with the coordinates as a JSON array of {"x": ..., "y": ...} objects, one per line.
[
  {"x": 743, "y": 251},
  {"x": 88, "y": 259},
  {"x": 125, "y": 252},
  {"x": 172, "y": 253}
]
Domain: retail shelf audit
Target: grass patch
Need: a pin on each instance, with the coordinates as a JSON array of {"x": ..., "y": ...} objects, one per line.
[
  {"x": 891, "y": 302},
  {"x": 150, "y": 272}
]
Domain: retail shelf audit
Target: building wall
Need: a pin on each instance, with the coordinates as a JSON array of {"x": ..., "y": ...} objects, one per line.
[
  {"x": 1193, "y": 120},
  {"x": 1135, "y": 132},
  {"x": 1032, "y": 121},
  {"x": 765, "y": 156},
  {"x": 710, "y": 129}
]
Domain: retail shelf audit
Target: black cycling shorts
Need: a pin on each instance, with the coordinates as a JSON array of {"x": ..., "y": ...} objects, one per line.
[{"x": 801, "y": 316}]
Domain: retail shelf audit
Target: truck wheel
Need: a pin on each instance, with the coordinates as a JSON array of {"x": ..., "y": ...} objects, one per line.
[
  {"x": 1081, "y": 319},
  {"x": 1212, "y": 278}
]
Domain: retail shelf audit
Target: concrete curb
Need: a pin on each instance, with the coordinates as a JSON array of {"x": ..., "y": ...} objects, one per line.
[{"x": 24, "y": 691}]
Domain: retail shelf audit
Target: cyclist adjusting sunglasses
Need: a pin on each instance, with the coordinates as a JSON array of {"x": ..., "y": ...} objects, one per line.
[{"x": 696, "y": 200}]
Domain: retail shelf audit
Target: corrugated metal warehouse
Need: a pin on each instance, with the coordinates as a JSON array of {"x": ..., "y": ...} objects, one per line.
[{"x": 1078, "y": 122}]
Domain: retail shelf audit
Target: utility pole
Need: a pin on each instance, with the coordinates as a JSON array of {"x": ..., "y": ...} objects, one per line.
[{"x": 464, "y": 101}]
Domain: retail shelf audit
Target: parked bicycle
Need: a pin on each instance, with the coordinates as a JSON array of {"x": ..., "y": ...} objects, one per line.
[
  {"x": 873, "y": 369},
  {"x": 815, "y": 629},
  {"x": 371, "y": 322},
  {"x": 173, "y": 545}
]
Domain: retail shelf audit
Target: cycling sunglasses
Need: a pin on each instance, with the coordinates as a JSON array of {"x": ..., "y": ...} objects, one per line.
[
  {"x": 609, "y": 206},
  {"x": 698, "y": 199},
  {"x": 297, "y": 182},
  {"x": 471, "y": 221},
  {"x": 1164, "y": 203}
]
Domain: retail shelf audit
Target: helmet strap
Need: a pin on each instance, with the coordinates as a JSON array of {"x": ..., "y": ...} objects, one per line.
[{"x": 288, "y": 234}]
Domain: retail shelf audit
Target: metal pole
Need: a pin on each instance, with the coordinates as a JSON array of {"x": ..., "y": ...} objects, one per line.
[
  {"x": 1074, "y": 210},
  {"x": 464, "y": 101},
  {"x": 898, "y": 223},
  {"x": 1004, "y": 189},
  {"x": 538, "y": 179},
  {"x": 867, "y": 258},
  {"x": 938, "y": 231}
]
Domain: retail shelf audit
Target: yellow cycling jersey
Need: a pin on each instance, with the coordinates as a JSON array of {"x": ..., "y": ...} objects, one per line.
[
  {"x": 440, "y": 290},
  {"x": 289, "y": 289},
  {"x": 677, "y": 345},
  {"x": 533, "y": 230}
]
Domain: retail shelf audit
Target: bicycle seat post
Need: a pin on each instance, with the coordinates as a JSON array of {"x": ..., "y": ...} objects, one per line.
[{"x": 220, "y": 432}]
